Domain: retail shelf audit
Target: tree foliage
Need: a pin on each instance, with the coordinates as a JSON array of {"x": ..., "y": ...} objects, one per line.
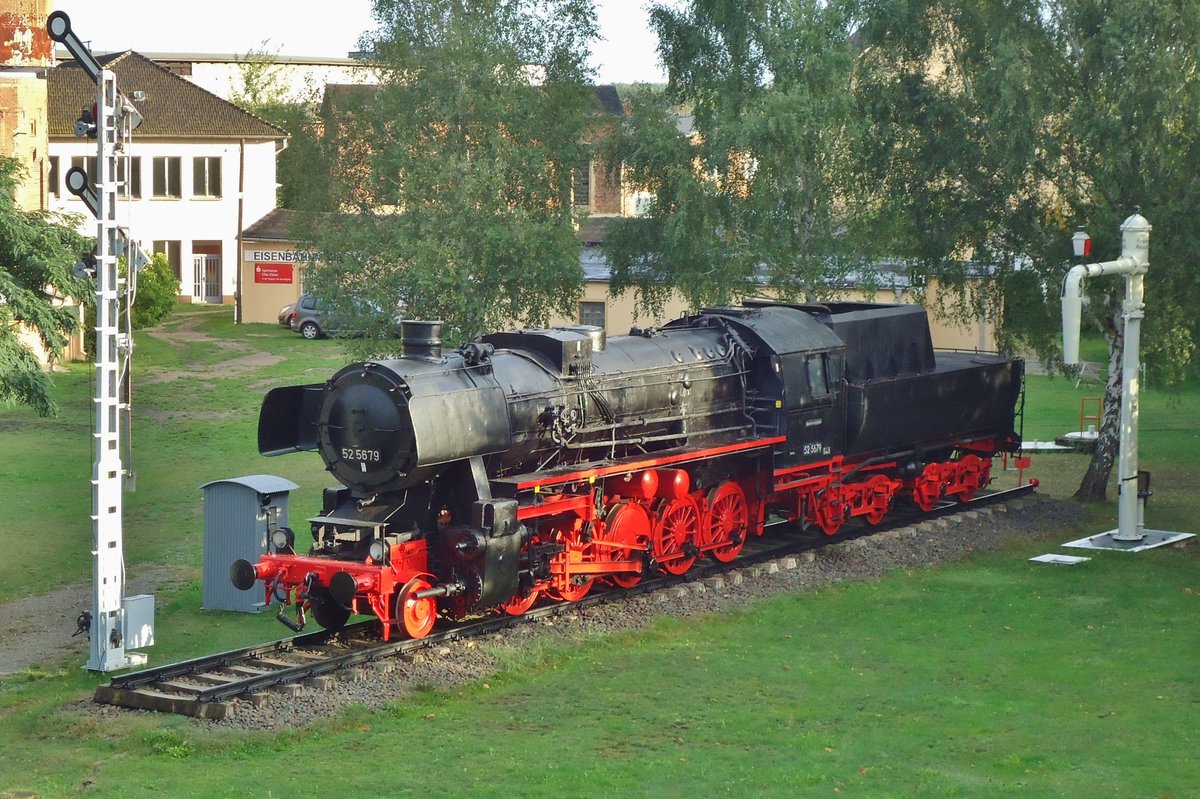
[
  {"x": 761, "y": 188},
  {"x": 38, "y": 251},
  {"x": 155, "y": 297},
  {"x": 456, "y": 171},
  {"x": 302, "y": 167},
  {"x": 996, "y": 127},
  {"x": 961, "y": 139}
]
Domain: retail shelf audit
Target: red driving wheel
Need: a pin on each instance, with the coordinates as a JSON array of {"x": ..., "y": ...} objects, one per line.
[
  {"x": 676, "y": 535},
  {"x": 728, "y": 521},
  {"x": 628, "y": 524}
]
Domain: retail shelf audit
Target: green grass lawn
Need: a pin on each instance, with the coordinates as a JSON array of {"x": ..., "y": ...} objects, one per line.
[
  {"x": 991, "y": 677},
  {"x": 994, "y": 677}
]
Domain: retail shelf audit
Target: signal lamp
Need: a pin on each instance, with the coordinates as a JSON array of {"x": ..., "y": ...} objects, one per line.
[{"x": 1081, "y": 243}]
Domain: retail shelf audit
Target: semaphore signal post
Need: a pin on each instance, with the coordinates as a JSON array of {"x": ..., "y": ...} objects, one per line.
[{"x": 118, "y": 623}]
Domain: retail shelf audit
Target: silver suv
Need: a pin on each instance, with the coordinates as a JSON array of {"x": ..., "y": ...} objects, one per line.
[{"x": 313, "y": 318}]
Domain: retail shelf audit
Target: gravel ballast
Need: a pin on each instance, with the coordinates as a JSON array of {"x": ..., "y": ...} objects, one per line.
[{"x": 463, "y": 662}]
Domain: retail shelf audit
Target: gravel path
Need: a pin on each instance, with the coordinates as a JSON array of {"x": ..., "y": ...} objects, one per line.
[
  {"x": 37, "y": 631},
  {"x": 463, "y": 662}
]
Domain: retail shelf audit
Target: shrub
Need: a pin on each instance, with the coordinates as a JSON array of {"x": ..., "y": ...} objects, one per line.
[
  {"x": 157, "y": 295},
  {"x": 157, "y": 292}
]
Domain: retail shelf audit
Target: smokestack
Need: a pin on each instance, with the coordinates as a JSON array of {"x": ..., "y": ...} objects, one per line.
[{"x": 421, "y": 339}]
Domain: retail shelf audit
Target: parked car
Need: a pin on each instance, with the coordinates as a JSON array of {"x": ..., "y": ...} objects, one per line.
[
  {"x": 285, "y": 314},
  {"x": 313, "y": 318}
]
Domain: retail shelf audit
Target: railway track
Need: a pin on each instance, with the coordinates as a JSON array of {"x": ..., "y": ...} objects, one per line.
[{"x": 203, "y": 687}]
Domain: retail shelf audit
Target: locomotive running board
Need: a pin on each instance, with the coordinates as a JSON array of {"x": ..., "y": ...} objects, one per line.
[{"x": 537, "y": 480}]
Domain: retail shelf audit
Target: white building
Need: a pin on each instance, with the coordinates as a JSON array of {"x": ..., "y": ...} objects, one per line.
[
  {"x": 290, "y": 78},
  {"x": 197, "y": 171}
]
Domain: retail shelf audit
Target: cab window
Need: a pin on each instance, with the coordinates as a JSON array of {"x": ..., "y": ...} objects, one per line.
[{"x": 818, "y": 382}]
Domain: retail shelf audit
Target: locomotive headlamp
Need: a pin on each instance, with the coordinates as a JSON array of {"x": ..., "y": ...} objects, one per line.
[
  {"x": 379, "y": 550},
  {"x": 283, "y": 539}
]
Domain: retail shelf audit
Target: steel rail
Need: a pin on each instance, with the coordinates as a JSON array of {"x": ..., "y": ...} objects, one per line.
[{"x": 156, "y": 689}]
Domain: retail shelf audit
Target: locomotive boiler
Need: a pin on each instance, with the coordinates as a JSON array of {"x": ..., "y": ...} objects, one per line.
[{"x": 537, "y": 462}]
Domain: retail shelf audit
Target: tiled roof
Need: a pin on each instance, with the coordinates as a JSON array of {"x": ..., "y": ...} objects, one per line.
[
  {"x": 282, "y": 224},
  {"x": 593, "y": 229},
  {"x": 173, "y": 107}
]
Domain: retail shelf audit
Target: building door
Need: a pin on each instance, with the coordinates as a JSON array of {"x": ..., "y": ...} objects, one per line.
[{"x": 206, "y": 282}]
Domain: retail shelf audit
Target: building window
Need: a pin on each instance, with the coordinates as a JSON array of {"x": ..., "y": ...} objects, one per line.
[
  {"x": 54, "y": 181},
  {"x": 166, "y": 177},
  {"x": 130, "y": 186},
  {"x": 88, "y": 165},
  {"x": 583, "y": 182},
  {"x": 206, "y": 177},
  {"x": 173, "y": 251},
  {"x": 591, "y": 313}
]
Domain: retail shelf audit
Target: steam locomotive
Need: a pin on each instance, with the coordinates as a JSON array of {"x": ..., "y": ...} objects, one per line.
[{"x": 541, "y": 462}]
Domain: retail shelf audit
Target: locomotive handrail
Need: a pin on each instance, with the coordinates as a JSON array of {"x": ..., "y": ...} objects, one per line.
[
  {"x": 683, "y": 434},
  {"x": 635, "y": 463}
]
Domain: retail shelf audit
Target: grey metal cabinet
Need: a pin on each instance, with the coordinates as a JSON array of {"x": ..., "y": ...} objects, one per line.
[{"x": 240, "y": 513}]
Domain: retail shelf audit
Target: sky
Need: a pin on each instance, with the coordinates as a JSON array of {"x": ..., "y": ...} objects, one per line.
[{"x": 626, "y": 54}]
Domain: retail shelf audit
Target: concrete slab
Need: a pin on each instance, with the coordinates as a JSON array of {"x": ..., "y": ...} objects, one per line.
[
  {"x": 1062, "y": 560},
  {"x": 1152, "y": 540}
]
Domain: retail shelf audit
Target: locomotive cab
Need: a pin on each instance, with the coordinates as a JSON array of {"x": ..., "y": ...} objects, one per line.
[{"x": 794, "y": 379}]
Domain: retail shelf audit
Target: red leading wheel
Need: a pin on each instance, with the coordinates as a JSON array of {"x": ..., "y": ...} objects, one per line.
[
  {"x": 676, "y": 535},
  {"x": 517, "y": 605},
  {"x": 728, "y": 521},
  {"x": 629, "y": 525},
  {"x": 415, "y": 616}
]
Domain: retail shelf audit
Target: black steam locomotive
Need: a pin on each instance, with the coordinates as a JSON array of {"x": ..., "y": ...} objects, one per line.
[{"x": 538, "y": 462}]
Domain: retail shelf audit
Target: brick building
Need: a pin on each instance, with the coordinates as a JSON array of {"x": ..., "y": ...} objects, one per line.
[{"x": 25, "y": 57}]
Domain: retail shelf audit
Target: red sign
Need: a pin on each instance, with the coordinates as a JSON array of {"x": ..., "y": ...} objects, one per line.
[{"x": 273, "y": 273}]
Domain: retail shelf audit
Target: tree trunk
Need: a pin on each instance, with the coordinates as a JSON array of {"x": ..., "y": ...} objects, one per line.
[{"x": 1094, "y": 486}]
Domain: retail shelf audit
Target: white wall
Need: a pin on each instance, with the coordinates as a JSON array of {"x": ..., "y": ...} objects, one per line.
[
  {"x": 302, "y": 82},
  {"x": 189, "y": 218}
]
